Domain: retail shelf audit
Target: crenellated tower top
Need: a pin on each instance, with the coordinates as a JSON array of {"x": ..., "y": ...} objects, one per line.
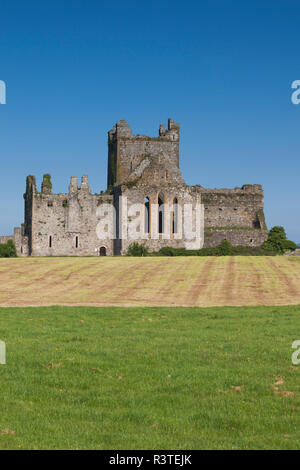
[{"x": 126, "y": 150}]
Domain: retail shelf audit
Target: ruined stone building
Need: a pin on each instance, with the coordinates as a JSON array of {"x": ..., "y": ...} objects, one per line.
[{"x": 150, "y": 204}]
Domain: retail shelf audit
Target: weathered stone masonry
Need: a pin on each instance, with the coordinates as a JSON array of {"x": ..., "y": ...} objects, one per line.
[
  {"x": 63, "y": 224},
  {"x": 143, "y": 170}
]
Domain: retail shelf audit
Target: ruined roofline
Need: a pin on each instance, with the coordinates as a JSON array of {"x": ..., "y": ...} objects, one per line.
[
  {"x": 122, "y": 130},
  {"x": 5, "y": 238},
  {"x": 46, "y": 186},
  {"x": 246, "y": 188}
]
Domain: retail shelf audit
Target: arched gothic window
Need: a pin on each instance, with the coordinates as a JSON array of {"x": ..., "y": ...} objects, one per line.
[
  {"x": 160, "y": 214},
  {"x": 175, "y": 216},
  {"x": 147, "y": 215}
]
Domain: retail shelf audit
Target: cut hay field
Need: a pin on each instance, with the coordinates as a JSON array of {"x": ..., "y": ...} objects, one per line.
[{"x": 157, "y": 281}]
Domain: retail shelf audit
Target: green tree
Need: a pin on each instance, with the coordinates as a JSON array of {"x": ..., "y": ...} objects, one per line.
[
  {"x": 8, "y": 250},
  {"x": 277, "y": 241}
]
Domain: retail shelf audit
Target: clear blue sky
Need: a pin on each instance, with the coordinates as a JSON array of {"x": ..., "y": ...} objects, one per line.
[{"x": 223, "y": 69}]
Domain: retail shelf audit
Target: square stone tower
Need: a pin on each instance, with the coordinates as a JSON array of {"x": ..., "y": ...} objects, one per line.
[{"x": 126, "y": 151}]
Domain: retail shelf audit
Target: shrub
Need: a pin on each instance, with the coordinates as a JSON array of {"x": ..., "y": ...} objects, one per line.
[
  {"x": 224, "y": 249},
  {"x": 8, "y": 250},
  {"x": 47, "y": 182},
  {"x": 288, "y": 245},
  {"x": 277, "y": 241},
  {"x": 168, "y": 251},
  {"x": 135, "y": 249},
  {"x": 242, "y": 250}
]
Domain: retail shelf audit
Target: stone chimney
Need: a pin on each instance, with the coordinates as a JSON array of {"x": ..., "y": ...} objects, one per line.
[
  {"x": 73, "y": 186},
  {"x": 85, "y": 184}
]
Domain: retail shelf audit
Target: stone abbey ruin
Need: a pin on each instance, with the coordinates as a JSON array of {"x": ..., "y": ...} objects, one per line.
[{"x": 151, "y": 204}]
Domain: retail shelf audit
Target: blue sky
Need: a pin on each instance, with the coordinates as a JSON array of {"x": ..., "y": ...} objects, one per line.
[{"x": 223, "y": 69}]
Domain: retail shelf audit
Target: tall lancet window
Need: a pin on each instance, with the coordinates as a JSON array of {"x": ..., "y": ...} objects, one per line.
[
  {"x": 160, "y": 214},
  {"x": 147, "y": 215},
  {"x": 175, "y": 216}
]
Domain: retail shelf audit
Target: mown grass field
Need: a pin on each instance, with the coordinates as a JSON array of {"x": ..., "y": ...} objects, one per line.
[
  {"x": 178, "y": 281},
  {"x": 149, "y": 378}
]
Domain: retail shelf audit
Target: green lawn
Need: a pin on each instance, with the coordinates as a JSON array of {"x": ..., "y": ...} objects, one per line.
[{"x": 149, "y": 378}]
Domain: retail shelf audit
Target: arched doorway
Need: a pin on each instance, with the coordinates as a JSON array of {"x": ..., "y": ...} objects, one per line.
[{"x": 102, "y": 251}]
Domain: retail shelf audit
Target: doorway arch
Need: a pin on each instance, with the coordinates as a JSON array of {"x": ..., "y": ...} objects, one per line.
[{"x": 102, "y": 251}]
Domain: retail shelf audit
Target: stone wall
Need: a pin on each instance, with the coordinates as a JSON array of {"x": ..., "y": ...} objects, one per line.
[
  {"x": 5, "y": 238},
  {"x": 139, "y": 167},
  {"x": 65, "y": 224},
  {"x": 246, "y": 237},
  {"x": 148, "y": 167},
  {"x": 20, "y": 241},
  {"x": 234, "y": 214},
  {"x": 176, "y": 199},
  {"x": 126, "y": 151}
]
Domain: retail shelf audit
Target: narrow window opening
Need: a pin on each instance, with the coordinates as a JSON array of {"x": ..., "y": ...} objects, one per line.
[
  {"x": 147, "y": 215},
  {"x": 256, "y": 223},
  {"x": 50, "y": 241},
  {"x": 160, "y": 215},
  {"x": 175, "y": 216},
  {"x": 76, "y": 242}
]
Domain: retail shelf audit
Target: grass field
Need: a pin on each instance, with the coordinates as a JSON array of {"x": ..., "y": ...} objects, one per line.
[
  {"x": 152, "y": 370},
  {"x": 149, "y": 378},
  {"x": 178, "y": 281}
]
